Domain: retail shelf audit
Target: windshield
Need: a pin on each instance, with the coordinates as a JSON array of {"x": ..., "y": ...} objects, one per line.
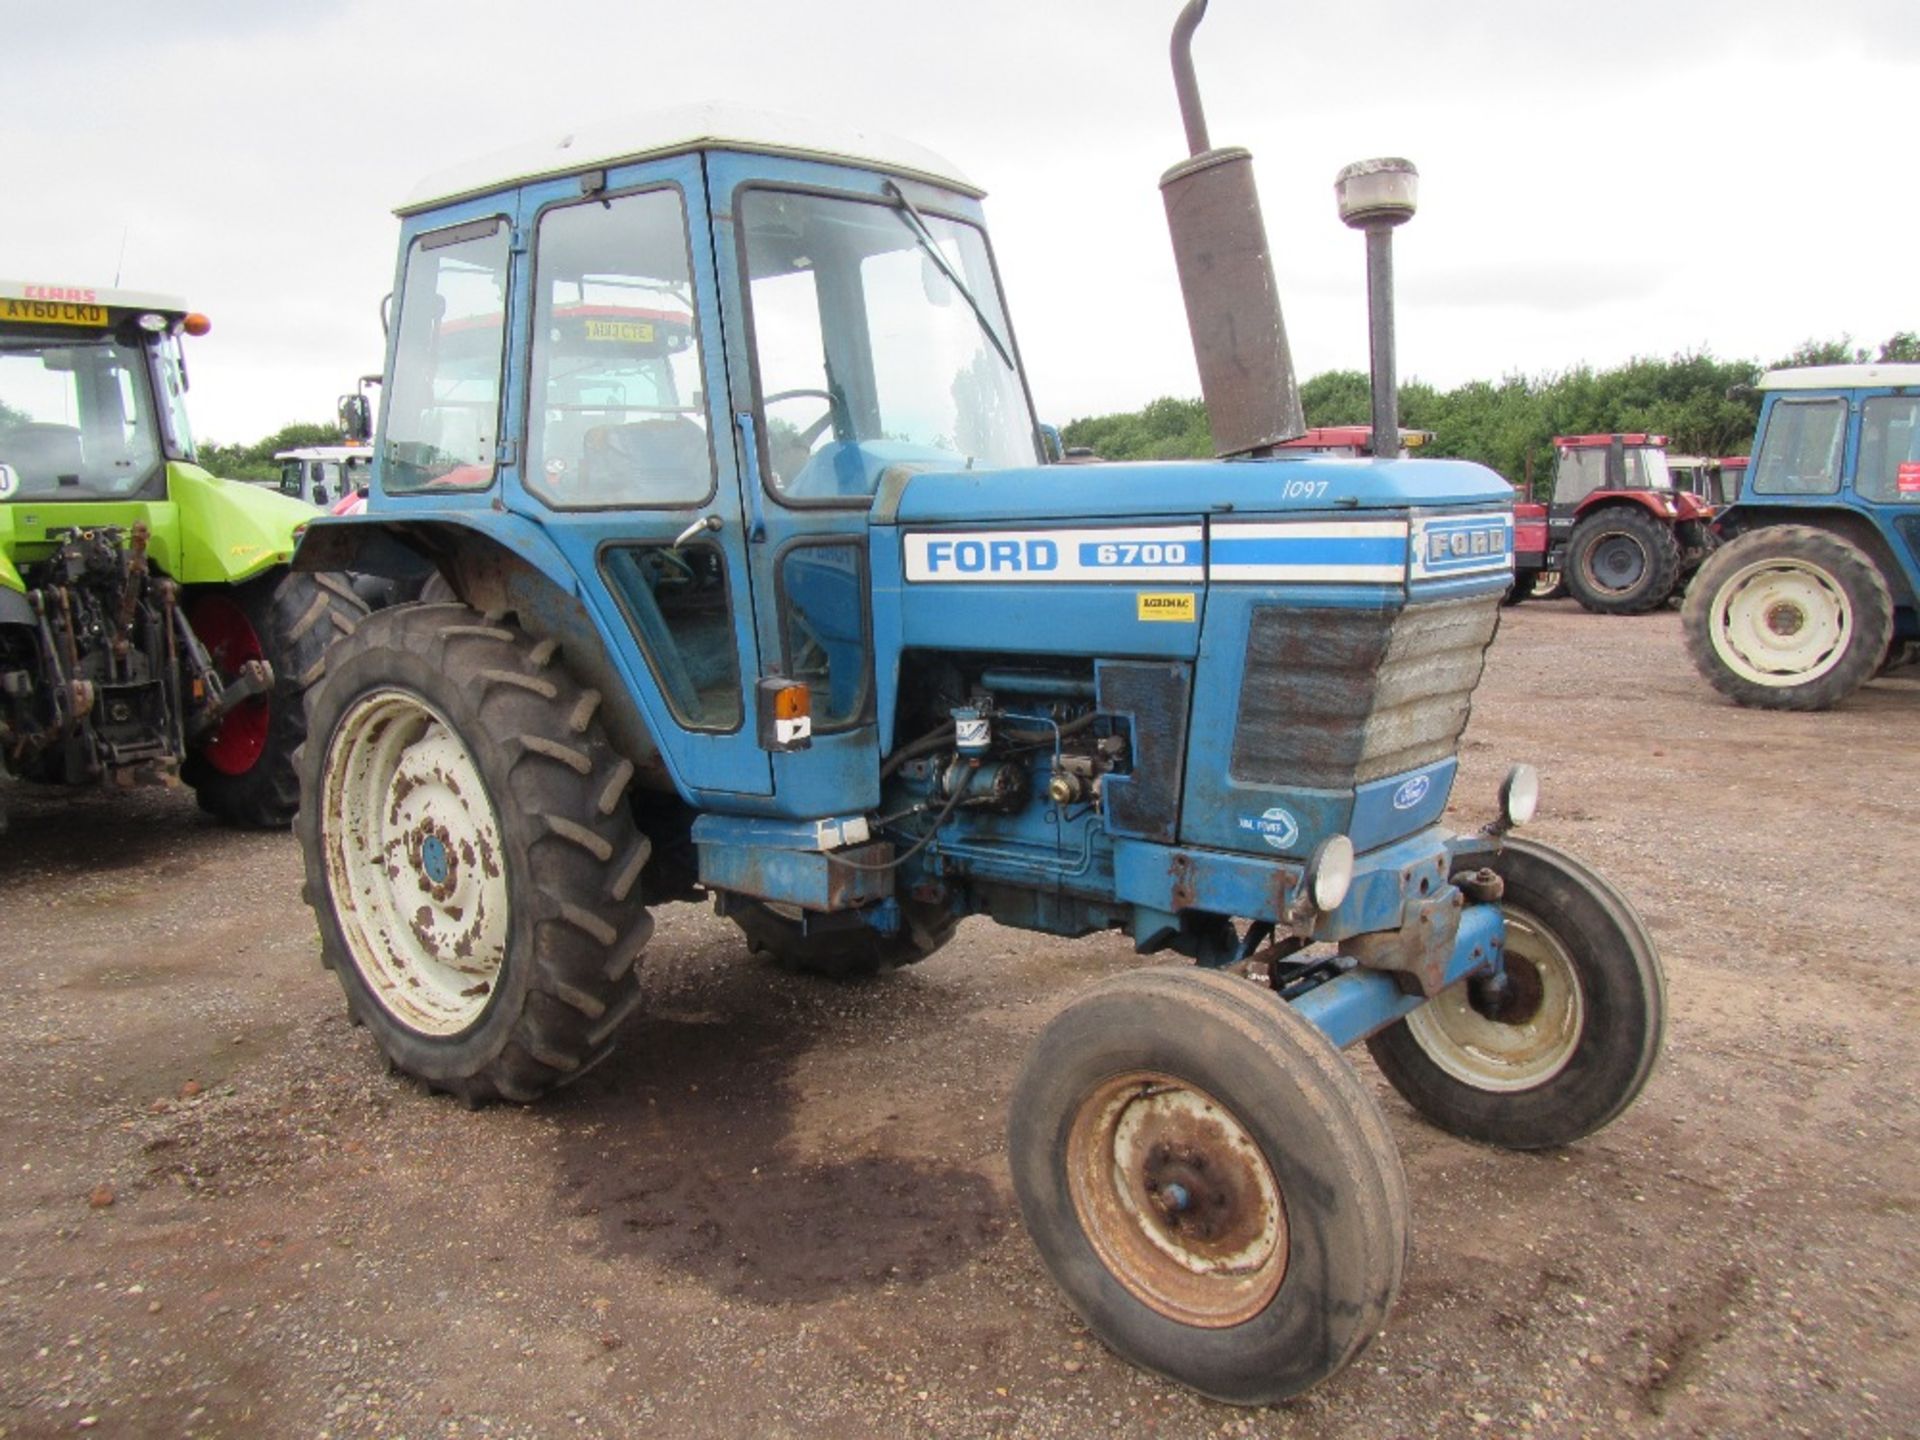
[
  {"x": 868, "y": 354},
  {"x": 76, "y": 418}
]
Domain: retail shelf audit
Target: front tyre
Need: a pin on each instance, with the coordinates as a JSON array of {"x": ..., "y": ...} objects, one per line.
[
  {"x": 244, "y": 772},
  {"x": 471, "y": 857},
  {"x": 1621, "y": 561},
  {"x": 1788, "y": 617},
  {"x": 1566, "y": 1044},
  {"x": 1209, "y": 1183}
]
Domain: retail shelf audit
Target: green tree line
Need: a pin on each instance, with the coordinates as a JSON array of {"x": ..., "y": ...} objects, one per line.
[{"x": 1509, "y": 424}]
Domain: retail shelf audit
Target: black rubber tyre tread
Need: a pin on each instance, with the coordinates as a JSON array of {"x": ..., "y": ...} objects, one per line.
[
  {"x": 1325, "y": 1138},
  {"x": 1623, "y": 993},
  {"x": 1662, "y": 549},
  {"x": 570, "y": 978},
  {"x": 297, "y": 616},
  {"x": 1845, "y": 563},
  {"x": 857, "y": 952},
  {"x": 1521, "y": 590}
]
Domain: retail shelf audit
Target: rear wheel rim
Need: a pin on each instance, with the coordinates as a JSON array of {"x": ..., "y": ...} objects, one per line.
[
  {"x": 1617, "y": 561},
  {"x": 1781, "y": 622},
  {"x": 223, "y": 628},
  {"x": 1459, "y": 1033},
  {"x": 1177, "y": 1199},
  {"x": 415, "y": 864}
]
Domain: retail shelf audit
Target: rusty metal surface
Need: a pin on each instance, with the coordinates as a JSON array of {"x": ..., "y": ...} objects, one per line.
[
  {"x": 1233, "y": 307},
  {"x": 1334, "y": 696},
  {"x": 1177, "y": 1199},
  {"x": 1421, "y": 948}
]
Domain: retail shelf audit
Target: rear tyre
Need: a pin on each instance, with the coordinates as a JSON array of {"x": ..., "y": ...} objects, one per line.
[
  {"x": 1621, "y": 561},
  {"x": 1571, "y": 1040},
  {"x": 471, "y": 856},
  {"x": 836, "y": 946},
  {"x": 1209, "y": 1183},
  {"x": 1788, "y": 617},
  {"x": 244, "y": 772}
]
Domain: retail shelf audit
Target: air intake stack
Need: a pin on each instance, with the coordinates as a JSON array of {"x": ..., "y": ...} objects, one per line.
[{"x": 1226, "y": 275}]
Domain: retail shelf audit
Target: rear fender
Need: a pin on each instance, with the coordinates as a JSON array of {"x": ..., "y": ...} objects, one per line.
[
  {"x": 1645, "y": 499},
  {"x": 1848, "y": 524},
  {"x": 499, "y": 564}
]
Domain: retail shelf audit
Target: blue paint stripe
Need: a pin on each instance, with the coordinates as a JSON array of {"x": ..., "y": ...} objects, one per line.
[{"x": 1316, "y": 550}]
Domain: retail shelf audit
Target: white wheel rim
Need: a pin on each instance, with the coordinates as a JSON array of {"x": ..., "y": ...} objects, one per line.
[
  {"x": 1781, "y": 622},
  {"x": 1491, "y": 1054},
  {"x": 414, "y": 862}
]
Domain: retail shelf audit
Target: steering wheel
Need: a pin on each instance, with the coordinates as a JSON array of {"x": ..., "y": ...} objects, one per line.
[{"x": 835, "y": 407}]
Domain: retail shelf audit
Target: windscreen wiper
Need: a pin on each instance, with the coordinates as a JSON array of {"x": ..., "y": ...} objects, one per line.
[{"x": 916, "y": 223}]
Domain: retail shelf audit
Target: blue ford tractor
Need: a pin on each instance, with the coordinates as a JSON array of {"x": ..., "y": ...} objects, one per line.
[
  {"x": 1813, "y": 591},
  {"x": 716, "y": 426}
]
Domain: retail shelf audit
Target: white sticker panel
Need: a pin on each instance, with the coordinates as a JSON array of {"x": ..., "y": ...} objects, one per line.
[{"x": 1118, "y": 555}]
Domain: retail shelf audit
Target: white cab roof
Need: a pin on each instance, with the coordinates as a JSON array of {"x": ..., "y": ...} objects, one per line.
[
  {"x": 326, "y": 452},
  {"x": 1840, "y": 377},
  {"x": 676, "y": 131},
  {"x": 67, "y": 293}
]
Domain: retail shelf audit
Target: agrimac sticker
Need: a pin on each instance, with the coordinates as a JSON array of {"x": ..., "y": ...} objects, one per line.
[{"x": 1180, "y": 608}]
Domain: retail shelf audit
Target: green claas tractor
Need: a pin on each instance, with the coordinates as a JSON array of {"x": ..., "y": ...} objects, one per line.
[{"x": 150, "y": 628}]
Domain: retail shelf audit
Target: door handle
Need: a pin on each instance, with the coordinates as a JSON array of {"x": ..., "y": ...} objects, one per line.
[{"x": 706, "y": 524}]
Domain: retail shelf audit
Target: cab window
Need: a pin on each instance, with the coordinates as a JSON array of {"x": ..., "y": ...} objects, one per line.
[
  {"x": 867, "y": 354},
  {"x": 443, "y": 417},
  {"x": 617, "y": 409},
  {"x": 1800, "y": 452},
  {"x": 1890, "y": 450}
]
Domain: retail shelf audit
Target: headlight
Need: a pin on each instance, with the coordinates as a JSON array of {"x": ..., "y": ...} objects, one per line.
[
  {"x": 1330, "y": 872},
  {"x": 1519, "y": 795}
]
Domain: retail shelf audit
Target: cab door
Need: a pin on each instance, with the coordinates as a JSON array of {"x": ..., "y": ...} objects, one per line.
[
  {"x": 625, "y": 452},
  {"x": 797, "y": 339}
]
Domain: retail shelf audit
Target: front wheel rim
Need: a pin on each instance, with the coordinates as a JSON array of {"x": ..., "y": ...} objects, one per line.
[
  {"x": 1781, "y": 622},
  {"x": 1459, "y": 1035},
  {"x": 1177, "y": 1199},
  {"x": 415, "y": 864}
]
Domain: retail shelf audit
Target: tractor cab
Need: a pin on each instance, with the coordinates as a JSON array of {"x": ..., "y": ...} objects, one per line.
[
  {"x": 1727, "y": 475},
  {"x": 1693, "y": 475},
  {"x": 92, "y": 392},
  {"x": 323, "y": 475}
]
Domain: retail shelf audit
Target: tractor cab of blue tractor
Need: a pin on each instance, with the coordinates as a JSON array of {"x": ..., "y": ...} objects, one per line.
[{"x": 716, "y": 425}]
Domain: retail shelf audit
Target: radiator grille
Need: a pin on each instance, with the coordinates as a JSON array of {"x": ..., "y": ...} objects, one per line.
[{"x": 1335, "y": 698}]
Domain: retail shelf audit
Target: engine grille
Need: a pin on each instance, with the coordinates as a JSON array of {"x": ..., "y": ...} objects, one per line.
[{"x": 1335, "y": 698}]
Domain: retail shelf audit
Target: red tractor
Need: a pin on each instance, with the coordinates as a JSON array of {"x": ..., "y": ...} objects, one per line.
[{"x": 1619, "y": 532}]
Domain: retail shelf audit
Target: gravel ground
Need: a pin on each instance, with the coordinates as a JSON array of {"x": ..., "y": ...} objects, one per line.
[{"x": 783, "y": 1208}]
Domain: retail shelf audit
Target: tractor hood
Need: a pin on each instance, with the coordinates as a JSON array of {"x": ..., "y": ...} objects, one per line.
[{"x": 1117, "y": 492}]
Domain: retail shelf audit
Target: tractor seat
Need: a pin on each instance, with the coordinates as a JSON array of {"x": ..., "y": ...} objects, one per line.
[
  {"x": 648, "y": 461},
  {"x": 43, "y": 453}
]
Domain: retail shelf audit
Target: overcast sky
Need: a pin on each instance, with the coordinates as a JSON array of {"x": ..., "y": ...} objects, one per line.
[{"x": 1598, "y": 181}]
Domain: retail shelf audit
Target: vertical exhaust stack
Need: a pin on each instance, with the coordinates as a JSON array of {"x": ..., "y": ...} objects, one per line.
[
  {"x": 1226, "y": 275},
  {"x": 1374, "y": 196}
]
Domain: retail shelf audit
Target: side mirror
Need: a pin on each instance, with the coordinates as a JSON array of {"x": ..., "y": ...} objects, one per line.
[
  {"x": 1051, "y": 450},
  {"x": 356, "y": 417}
]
